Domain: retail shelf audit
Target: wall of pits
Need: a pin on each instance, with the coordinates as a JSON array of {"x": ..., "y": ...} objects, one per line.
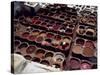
[{"x": 58, "y": 36}]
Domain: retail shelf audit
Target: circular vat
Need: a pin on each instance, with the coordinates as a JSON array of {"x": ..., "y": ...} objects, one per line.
[{"x": 30, "y": 49}]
